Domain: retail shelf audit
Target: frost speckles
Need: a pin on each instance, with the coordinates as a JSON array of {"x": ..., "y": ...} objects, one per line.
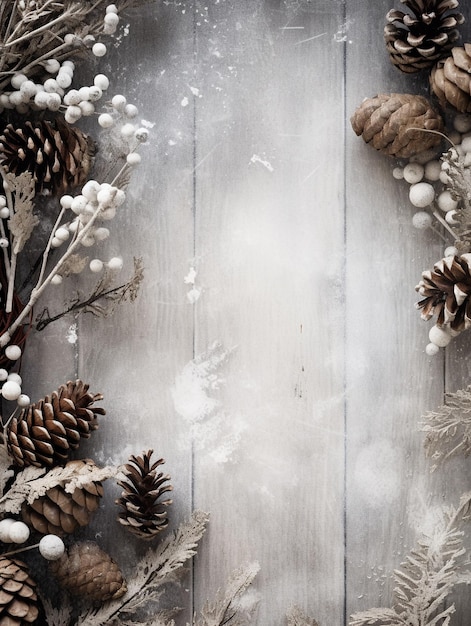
[
  {"x": 195, "y": 292},
  {"x": 376, "y": 476},
  {"x": 258, "y": 159},
  {"x": 71, "y": 335},
  {"x": 210, "y": 428}
]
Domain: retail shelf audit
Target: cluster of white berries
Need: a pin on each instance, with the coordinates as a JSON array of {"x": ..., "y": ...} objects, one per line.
[
  {"x": 11, "y": 382},
  {"x": 428, "y": 180},
  {"x": 52, "y": 94},
  {"x": 428, "y": 192},
  {"x": 12, "y": 531}
]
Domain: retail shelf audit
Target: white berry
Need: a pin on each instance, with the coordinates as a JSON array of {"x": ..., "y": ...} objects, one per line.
[
  {"x": 5, "y": 525},
  {"x": 11, "y": 390},
  {"x": 5, "y": 213},
  {"x": 99, "y": 49},
  {"x": 115, "y": 264},
  {"x": 413, "y": 172},
  {"x": 432, "y": 349},
  {"x": 56, "y": 279},
  {"x": 13, "y": 352},
  {"x": 96, "y": 265},
  {"x": 51, "y": 547},
  {"x": 439, "y": 337},
  {"x": 101, "y": 81},
  {"x": 451, "y": 251},
  {"x": 105, "y": 120},
  {"x": 118, "y": 102},
  {"x": 16, "y": 378},
  {"x": 421, "y": 194},
  {"x": 432, "y": 170},
  {"x": 23, "y": 400},
  {"x": 446, "y": 202},
  {"x": 133, "y": 159},
  {"x": 3, "y": 374},
  {"x": 19, "y": 532}
]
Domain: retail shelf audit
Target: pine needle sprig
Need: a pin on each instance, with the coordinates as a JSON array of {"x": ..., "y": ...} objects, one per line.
[
  {"x": 155, "y": 569},
  {"x": 448, "y": 429},
  {"x": 103, "y": 291},
  {"x": 227, "y": 607}
]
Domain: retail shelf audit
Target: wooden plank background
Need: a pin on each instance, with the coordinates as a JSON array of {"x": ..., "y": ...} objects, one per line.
[{"x": 274, "y": 356}]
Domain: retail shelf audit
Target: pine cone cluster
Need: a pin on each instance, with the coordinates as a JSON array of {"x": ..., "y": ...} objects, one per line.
[
  {"x": 18, "y": 597},
  {"x": 57, "y": 155},
  {"x": 417, "y": 39},
  {"x": 395, "y": 124},
  {"x": 44, "y": 433},
  {"x": 59, "y": 512},
  {"x": 446, "y": 293},
  {"x": 450, "y": 79},
  {"x": 143, "y": 512},
  {"x": 87, "y": 571}
]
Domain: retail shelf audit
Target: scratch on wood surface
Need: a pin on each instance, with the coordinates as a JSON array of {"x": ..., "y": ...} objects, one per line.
[
  {"x": 298, "y": 43},
  {"x": 311, "y": 174}
]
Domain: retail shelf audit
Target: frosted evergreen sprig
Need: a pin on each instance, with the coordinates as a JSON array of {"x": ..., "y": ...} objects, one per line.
[
  {"x": 448, "y": 428},
  {"x": 427, "y": 577}
]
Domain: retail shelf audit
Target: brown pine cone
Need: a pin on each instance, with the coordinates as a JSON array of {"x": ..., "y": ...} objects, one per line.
[
  {"x": 44, "y": 433},
  {"x": 446, "y": 290},
  {"x": 450, "y": 79},
  {"x": 18, "y": 597},
  {"x": 417, "y": 39},
  {"x": 58, "y": 512},
  {"x": 143, "y": 514},
  {"x": 396, "y": 124},
  {"x": 87, "y": 571},
  {"x": 57, "y": 155}
]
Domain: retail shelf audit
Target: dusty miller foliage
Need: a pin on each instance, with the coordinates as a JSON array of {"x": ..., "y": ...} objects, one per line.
[
  {"x": 448, "y": 429},
  {"x": 427, "y": 577}
]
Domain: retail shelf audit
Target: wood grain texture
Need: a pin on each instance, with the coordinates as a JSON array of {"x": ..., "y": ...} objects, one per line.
[{"x": 274, "y": 357}]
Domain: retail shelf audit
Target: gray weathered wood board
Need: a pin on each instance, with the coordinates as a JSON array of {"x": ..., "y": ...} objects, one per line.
[{"x": 274, "y": 356}]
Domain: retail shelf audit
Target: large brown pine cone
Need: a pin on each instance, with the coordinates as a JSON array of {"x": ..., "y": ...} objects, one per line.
[
  {"x": 143, "y": 513},
  {"x": 446, "y": 293},
  {"x": 18, "y": 597},
  {"x": 417, "y": 39},
  {"x": 57, "y": 155},
  {"x": 450, "y": 79},
  {"x": 87, "y": 571},
  {"x": 396, "y": 124},
  {"x": 44, "y": 433}
]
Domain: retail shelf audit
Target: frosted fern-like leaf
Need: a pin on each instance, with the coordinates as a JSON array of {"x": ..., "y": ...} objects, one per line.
[
  {"x": 448, "y": 429},
  {"x": 5, "y": 467},
  {"x": 229, "y": 606},
  {"x": 23, "y": 221},
  {"x": 156, "y": 568},
  {"x": 33, "y": 482},
  {"x": 296, "y": 617},
  {"x": 57, "y": 616}
]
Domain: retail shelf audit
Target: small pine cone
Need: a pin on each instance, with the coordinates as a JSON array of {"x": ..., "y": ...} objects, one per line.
[
  {"x": 416, "y": 40},
  {"x": 396, "y": 124},
  {"x": 44, "y": 433},
  {"x": 57, "y": 155},
  {"x": 59, "y": 512},
  {"x": 18, "y": 598},
  {"x": 142, "y": 513},
  {"x": 450, "y": 79},
  {"x": 87, "y": 571},
  {"x": 446, "y": 293}
]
